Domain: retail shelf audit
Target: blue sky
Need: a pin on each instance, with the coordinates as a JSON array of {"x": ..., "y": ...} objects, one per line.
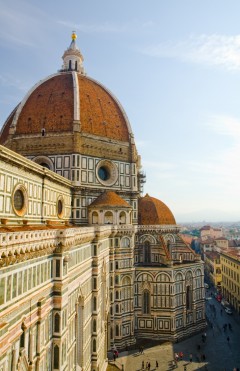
[{"x": 175, "y": 67}]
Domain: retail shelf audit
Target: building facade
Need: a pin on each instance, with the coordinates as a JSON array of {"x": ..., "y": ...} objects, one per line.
[
  {"x": 213, "y": 268},
  {"x": 230, "y": 262},
  {"x": 87, "y": 264},
  {"x": 207, "y": 232}
]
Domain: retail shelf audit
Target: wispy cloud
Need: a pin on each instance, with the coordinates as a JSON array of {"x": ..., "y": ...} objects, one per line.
[
  {"x": 20, "y": 24},
  {"x": 7, "y": 80},
  {"x": 94, "y": 28},
  {"x": 212, "y": 50},
  {"x": 225, "y": 125},
  {"x": 159, "y": 165},
  {"x": 108, "y": 27},
  {"x": 220, "y": 169}
]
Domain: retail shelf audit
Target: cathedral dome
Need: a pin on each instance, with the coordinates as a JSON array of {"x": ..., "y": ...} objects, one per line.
[
  {"x": 56, "y": 103},
  {"x": 66, "y": 103},
  {"x": 152, "y": 211}
]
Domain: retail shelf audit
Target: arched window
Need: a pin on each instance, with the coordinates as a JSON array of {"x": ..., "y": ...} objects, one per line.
[
  {"x": 94, "y": 325},
  {"x": 122, "y": 218},
  {"x": 70, "y": 64},
  {"x": 75, "y": 65},
  {"x": 56, "y": 322},
  {"x": 146, "y": 302},
  {"x": 117, "y": 295},
  {"x": 108, "y": 217},
  {"x": 56, "y": 357},
  {"x": 147, "y": 252},
  {"x": 117, "y": 308},
  {"x": 116, "y": 265},
  {"x": 94, "y": 217},
  {"x": 94, "y": 345},
  {"x": 22, "y": 337},
  {"x": 188, "y": 298},
  {"x": 117, "y": 330},
  {"x": 94, "y": 303},
  {"x": 125, "y": 242},
  {"x": 111, "y": 333}
]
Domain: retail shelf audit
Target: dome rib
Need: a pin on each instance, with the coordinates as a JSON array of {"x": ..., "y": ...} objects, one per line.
[{"x": 21, "y": 105}]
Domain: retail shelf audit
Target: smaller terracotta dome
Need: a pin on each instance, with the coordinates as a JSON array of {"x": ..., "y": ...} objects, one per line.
[
  {"x": 109, "y": 199},
  {"x": 152, "y": 211}
]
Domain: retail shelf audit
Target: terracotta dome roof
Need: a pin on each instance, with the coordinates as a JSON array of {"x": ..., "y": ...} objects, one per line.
[
  {"x": 64, "y": 98},
  {"x": 111, "y": 199},
  {"x": 152, "y": 211}
]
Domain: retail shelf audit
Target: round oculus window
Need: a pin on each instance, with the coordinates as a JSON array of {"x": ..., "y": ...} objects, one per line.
[
  {"x": 19, "y": 200},
  {"x": 60, "y": 207},
  {"x": 106, "y": 172},
  {"x": 44, "y": 161},
  {"x": 45, "y": 165},
  {"x": 103, "y": 173}
]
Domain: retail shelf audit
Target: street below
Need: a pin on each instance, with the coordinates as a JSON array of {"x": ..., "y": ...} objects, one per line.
[{"x": 216, "y": 349}]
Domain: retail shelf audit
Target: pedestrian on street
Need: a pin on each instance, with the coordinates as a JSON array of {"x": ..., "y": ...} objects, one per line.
[
  {"x": 190, "y": 357},
  {"x": 156, "y": 364},
  {"x": 149, "y": 366}
]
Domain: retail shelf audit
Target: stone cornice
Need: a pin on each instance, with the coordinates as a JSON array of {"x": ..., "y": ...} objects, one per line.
[
  {"x": 158, "y": 228},
  {"x": 21, "y": 162},
  {"x": 18, "y": 246}
]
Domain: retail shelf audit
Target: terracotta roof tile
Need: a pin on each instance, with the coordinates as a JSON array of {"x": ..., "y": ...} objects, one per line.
[
  {"x": 100, "y": 114},
  {"x": 51, "y": 106},
  {"x": 212, "y": 255},
  {"x": 109, "y": 198},
  {"x": 5, "y": 130},
  {"x": 152, "y": 211}
]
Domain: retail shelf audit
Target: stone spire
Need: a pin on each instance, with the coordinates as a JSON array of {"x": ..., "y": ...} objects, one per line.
[{"x": 72, "y": 57}]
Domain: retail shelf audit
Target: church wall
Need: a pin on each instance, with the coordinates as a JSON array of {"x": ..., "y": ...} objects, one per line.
[
  {"x": 165, "y": 313},
  {"x": 121, "y": 288},
  {"x": 32, "y": 297},
  {"x": 82, "y": 170},
  {"x": 40, "y": 190}
]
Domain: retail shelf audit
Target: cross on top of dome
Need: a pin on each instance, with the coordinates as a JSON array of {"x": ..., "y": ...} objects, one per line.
[
  {"x": 73, "y": 44},
  {"x": 72, "y": 57}
]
